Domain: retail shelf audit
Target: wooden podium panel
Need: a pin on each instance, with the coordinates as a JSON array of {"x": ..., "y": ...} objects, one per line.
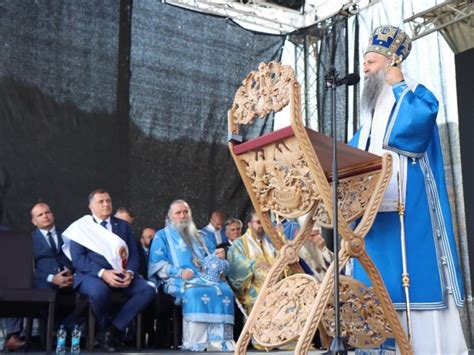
[
  {"x": 351, "y": 161},
  {"x": 288, "y": 173}
]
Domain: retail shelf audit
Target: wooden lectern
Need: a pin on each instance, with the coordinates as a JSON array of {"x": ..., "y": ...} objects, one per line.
[{"x": 288, "y": 172}]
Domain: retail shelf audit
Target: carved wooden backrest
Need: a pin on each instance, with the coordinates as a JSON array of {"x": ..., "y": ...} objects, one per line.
[
  {"x": 262, "y": 92},
  {"x": 277, "y": 164},
  {"x": 288, "y": 172}
]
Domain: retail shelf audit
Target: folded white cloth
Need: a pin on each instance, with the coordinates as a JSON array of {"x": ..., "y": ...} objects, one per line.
[{"x": 88, "y": 233}]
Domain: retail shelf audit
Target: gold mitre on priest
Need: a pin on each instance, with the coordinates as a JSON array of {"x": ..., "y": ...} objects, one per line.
[{"x": 390, "y": 41}]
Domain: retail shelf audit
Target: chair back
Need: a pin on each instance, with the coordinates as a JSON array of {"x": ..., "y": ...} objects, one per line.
[
  {"x": 16, "y": 260},
  {"x": 288, "y": 174},
  {"x": 289, "y": 171}
]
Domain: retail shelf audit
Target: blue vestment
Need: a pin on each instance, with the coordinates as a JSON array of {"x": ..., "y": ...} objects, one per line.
[
  {"x": 210, "y": 233},
  {"x": 202, "y": 301},
  {"x": 411, "y": 133},
  {"x": 250, "y": 261}
]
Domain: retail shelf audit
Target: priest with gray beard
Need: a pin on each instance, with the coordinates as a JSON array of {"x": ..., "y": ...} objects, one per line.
[
  {"x": 398, "y": 117},
  {"x": 183, "y": 261}
]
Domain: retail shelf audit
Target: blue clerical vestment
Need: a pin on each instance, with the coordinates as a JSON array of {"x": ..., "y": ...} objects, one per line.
[
  {"x": 411, "y": 133},
  {"x": 214, "y": 238},
  {"x": 201, "y": 300}
]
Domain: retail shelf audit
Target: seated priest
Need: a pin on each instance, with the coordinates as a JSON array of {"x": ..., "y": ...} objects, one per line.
[
  {"x": 214, "y": 231},
  {"x": 250, "y": 257},
  {"x": 181, "y": 258},
  {"x": 315, "y": 257}
]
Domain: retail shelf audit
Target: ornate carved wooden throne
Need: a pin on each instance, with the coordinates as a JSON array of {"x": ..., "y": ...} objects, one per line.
[{"x": 288, "y": 172}]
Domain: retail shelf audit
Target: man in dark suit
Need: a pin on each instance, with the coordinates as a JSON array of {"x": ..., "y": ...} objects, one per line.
[
  {"x": 144, "y": 249},
  {"x": 233, "y": 230},
  {"x": 126, "y": 214},
  {"x": 52, "y": 268},
  {"x": 96, "y": 277}
]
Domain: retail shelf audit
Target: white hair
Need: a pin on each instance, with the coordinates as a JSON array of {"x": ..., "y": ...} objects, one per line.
[{"x": 187, "y": 229}]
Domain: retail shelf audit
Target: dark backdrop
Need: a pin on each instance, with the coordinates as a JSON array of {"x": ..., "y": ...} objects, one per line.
[
  {"x": 465, "y": 89},
  {"x": 58, "y": 81},
  {"x": 129, "y": 96},
  {"x": 333, "y": 52}
]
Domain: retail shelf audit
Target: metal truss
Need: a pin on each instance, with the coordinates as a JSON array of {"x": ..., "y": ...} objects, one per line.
[
  {"x": 439, "y": 17},
  {"x": 306, "y": 70},
  {"x": 270, "y": 17},
  {"x": 306, "y": 28},
  {"x": 307, "y": 43},
  {"x": 274, "y": 18}
]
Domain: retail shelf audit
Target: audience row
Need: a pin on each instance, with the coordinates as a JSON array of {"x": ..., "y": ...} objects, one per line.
[{"x": 207, "y": 271}]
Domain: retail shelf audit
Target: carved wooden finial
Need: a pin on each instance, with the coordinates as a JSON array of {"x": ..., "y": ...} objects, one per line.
[{"x": 263, "y": 91}]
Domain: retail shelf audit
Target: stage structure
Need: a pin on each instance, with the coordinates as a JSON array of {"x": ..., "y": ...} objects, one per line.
[{"x": 288, "y": 173}]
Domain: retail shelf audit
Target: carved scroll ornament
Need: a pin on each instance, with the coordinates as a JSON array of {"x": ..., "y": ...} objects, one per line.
[
  {"x": 285, "y": 310},
  {"x": 363, "y": 322},
  {"x": 282, "y": 317},
  {"x": 283, "y": 183},
  {"x": 262, "y": 92}
]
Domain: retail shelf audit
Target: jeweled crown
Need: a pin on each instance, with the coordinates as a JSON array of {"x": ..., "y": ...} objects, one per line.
[
  {"x": 390, "y": 41},
  {"x": 213, "y": 267}
]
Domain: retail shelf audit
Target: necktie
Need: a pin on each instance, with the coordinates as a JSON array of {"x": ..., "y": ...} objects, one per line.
[
  {"x": 104, "y": 224},
  {"x": 52, "y": 243}
]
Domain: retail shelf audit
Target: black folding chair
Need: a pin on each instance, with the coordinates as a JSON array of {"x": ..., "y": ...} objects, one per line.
[
  {"x": 18, "y": 298},
  {"x": 169, "y": 320},
  {"x": 118, "y": 299}
]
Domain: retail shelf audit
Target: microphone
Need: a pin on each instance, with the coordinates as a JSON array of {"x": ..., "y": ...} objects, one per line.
[{"x": 349, "y": 79}]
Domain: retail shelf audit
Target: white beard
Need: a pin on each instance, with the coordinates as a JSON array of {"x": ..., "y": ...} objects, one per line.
[
  {"x": 373, "y": 86},
  {"x": 187, "y": 230}
]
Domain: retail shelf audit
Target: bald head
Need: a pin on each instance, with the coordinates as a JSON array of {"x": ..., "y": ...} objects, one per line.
[
  {"x": 147, "y": 236},
  {"x": 125, "y": 214},
  {"x": 217, "y": 220},
  {"x": 42, "y": 216}
]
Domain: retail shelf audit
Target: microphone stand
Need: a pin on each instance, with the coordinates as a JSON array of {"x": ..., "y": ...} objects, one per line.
[{"x": 338, "y": 347}]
